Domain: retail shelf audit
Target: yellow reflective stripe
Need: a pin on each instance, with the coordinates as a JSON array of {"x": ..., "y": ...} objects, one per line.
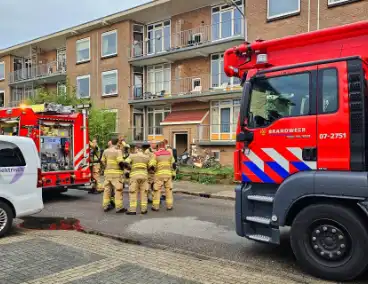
[
  {"x": 139, "y": 165},
  {"x": 163, "y": 172},
  {"x": 111, "y": 162},
  {"x": 172, "y": 160},
  {"x": 128, "y": 160},
  {"x": 132, "y": 174},
  {"x": 113, "y": 172},
  {"x": 155, "y": 202},
  {"x": 164, "y": 164},
  {"x": 152, "y": 163},
  {"x": 119, "y": 159}
]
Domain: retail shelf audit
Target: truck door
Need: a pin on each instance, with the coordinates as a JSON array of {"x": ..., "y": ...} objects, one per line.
[
  {"x": 333, "y": 118},
  {"x": 283, "y": 121}
]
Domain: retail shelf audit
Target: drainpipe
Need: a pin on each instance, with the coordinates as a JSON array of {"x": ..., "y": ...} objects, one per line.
[
  {"x": 318, "y": 16},
  {"x": 309, "y": 14}
]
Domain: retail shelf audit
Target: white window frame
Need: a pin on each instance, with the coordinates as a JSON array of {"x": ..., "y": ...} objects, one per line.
[
  {"x": 219, "y": 154},
  {"x": 89, "y": 49},
  {"x": 58, "y": 85},
  {"x": 336, "y": 2},
  {"x": 3, "y": 92},
  {"x": 153, "y": 39},
  {"x": 155, "y": 111},
  {"x": 102, "y": 41},
  {"x": 89, "y": 87},
  {"x": 233, "y": 121},
  {"x": 221, "y": 11},
  {"x": 282, "y": 14},
  {"x": 117, "y": 82},
  {"x": 116, "y": 111},
  {"x": 3, "y": 64},
  {"x": 154, "y": 69},
  {"x": 221, "y": 59}
]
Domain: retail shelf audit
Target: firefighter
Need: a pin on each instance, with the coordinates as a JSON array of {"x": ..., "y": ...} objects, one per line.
[
  {"x": 151, "y": 174},
  {"x": 138, "y": 166},
  {"x": 95, "y": 167},
  {"x": 164, "y": 163},
  {"x": 126, "y": 153},
  {"x": 113, "y": 161}
]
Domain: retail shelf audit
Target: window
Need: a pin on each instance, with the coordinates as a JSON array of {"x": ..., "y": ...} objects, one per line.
[
  {"x": 227, "y": 21},
  {"x": 138, "y": 124},
  {"x": 330, "y": 95},
  {"x": 2, "y": 70},
  {"x": 158, "y": 79},
  {"x": 83, "y": 50},
  {"x": 61, "y": 89},
  {"x": 277, "y": 97},
  {"x": 155, "y": 117},
  {"x": 110, "y": 83},
  {"x": 138, "y": 36},
  {"x": 83, "y": 87},
  {"x": 224, "y": 116},
  {"x": 2, "y": 98},
  {"x": 218, "y": 76},
  {"x": 279, "y": 8},
  {"x": 109, "y": 43},
  {"x": 216, "y": 155},
  {"x": 10, "y": 155},
  {"x": 158, "y": 35},
  {"x": 336, "y": 2},
  {"x": 138, "y": 82}
]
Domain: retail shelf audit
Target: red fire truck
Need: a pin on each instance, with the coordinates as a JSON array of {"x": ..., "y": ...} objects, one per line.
[
  {"x": 61, "y": 137},
  {"x": 302, "y": 148}
]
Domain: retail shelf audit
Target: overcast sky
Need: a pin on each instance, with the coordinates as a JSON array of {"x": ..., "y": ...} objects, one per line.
[{"x": 23, "y": 20}]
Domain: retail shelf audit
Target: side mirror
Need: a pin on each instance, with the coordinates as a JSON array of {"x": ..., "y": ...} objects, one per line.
[{"x": 245, "y": 137}]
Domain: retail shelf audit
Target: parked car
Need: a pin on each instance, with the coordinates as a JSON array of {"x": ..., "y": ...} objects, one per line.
[{"x": 20, "y": 180}]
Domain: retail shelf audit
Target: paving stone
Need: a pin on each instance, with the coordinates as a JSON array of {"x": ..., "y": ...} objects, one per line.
[
  {"x": 32, "y": 259},
  {"x": 130, "y": 273}
]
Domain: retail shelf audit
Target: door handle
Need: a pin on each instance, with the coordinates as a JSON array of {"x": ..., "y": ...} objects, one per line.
[{"x": 309, "y": 154}]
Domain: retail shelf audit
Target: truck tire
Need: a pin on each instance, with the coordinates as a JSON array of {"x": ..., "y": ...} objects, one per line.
[
  {"x": 6, "y": 218},
  {"x": 330, "y": 242}
]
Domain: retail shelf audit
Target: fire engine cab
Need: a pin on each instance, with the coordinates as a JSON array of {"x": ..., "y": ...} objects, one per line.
[
  {"x": 61, "y": 137},
  {"x": 302, "y": 149}
]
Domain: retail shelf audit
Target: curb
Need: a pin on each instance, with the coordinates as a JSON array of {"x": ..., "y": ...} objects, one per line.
[{"x": 204, "y": 195}]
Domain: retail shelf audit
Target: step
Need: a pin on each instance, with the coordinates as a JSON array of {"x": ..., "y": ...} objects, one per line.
[
  {"x": 259, "y": 238},
  {"x": 260, "y": 220},
  {"x": 261, "y": 198}
]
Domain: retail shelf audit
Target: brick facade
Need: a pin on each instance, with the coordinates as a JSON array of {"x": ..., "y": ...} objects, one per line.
[
  {"x": 4, "y": 84},
  {"x": 97, "y": 65}
]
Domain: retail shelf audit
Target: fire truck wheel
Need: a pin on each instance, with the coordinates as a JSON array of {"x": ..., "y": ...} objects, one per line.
[
  {"x": 6, "y": 218},
  {"x": 330, "y": 242}
]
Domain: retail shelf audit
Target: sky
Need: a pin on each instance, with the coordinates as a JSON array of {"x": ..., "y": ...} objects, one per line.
[{"x": 23, "y": 20}]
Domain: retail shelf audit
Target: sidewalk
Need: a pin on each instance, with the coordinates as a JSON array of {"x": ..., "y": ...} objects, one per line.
[{"x": 219, "y": 191}]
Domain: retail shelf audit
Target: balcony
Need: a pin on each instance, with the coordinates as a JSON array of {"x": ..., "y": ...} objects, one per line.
[
  {"x": 20, "y": 96},
  {"x": 201, "y": 88},
  {"x": 51, "y": 72},
  {"x": 217, "y": 134},
  {"x": 198, "y": 41}
]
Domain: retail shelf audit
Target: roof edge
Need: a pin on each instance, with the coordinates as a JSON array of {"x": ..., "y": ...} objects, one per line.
[{"x": 84, "y": 25}]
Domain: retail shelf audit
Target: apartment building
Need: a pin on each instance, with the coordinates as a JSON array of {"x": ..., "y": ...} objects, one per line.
[{"x": 159, "y": 66}]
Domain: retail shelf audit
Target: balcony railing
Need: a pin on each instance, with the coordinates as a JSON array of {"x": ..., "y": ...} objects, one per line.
[
  {"x": 20, "y": 96},
  {"x": 140, "y": 133},
  {"x": 38, "y": 71},
  {"x": 224, "y": 132},
  {"x": 201, "y": 35},
  {"x": 181, "y": 87}
]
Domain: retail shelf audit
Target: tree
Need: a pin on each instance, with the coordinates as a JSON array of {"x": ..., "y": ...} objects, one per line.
[{"x": 101, "y": 123}]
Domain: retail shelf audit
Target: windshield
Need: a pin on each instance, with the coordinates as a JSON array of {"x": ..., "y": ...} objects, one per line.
[{"x": 276, "y": 97}]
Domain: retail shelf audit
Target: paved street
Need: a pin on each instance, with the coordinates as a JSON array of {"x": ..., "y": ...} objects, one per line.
[
  {"x": 198, "y": 227},
  {"x": 195, "y": 243},
  {"x": 76, "y": 258}
]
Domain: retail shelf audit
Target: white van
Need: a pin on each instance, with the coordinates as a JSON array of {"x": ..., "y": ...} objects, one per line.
[{"x": 20, "y": 180}]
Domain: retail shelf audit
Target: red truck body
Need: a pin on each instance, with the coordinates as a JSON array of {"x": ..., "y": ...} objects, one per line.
[{"x": 64, "y": 154}]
